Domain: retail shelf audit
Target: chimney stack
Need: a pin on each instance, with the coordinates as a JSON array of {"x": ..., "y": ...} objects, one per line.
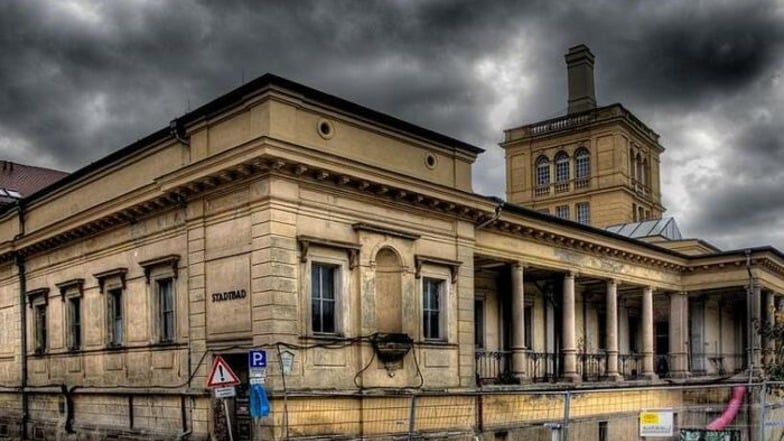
[{"x": 579, "y": 66}]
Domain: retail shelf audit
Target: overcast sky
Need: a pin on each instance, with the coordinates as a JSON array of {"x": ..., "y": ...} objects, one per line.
[{"x": 79, "y": 79}]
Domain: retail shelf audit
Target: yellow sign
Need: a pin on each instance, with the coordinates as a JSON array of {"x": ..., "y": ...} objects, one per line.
[
  {"x": 649, "y": 418},
  {"x": 656, "y": 423}
]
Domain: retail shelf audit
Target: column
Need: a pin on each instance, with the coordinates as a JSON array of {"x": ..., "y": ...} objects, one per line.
[
  {"x": 648, "y": 371},
  {"x": 612, "y": 331},
  {"x": 569, "y": 339},
  {"x": 770, "y": 321},
  {"x": 756, "y": 316},
  {"x": 518, "y": 322},
  {"x": 679, "y": 333}
]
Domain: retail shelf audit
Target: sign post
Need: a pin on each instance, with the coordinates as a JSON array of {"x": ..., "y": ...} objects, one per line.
[{"x": 222, "y": 381}]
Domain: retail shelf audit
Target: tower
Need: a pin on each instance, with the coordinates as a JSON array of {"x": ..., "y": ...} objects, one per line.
[{"x": 594, "y": 165}]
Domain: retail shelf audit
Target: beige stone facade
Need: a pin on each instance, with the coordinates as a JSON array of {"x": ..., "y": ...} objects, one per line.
[{"x": 281, "y": 218}]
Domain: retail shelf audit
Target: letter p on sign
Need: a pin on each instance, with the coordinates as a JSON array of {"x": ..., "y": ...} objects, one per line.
[{"x": 257, "y": 359}]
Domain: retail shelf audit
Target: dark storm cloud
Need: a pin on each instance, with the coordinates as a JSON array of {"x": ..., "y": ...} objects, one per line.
[{"x": 81, "y": 79}]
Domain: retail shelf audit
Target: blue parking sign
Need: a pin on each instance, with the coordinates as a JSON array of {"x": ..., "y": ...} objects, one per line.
[{"x": 257, "y": 358}]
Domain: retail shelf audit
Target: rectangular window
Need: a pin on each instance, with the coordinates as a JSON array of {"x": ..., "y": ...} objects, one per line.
[
  {"x": 479, "y": 323},
  {"x": 322, "y": 298},
  {"x": 432, "y": 307},
  {"x": 603, "y": 431},
  {"x": 562, "y": 211},
  {"x": 40, "y": 328},
  {"x": 583, "y": 213},
  {"x": 74, "y": 323},
  {"x": 166, "y": 309},
  {"x": 115, "y": 318},
  {"x": 528, "y": 319}
]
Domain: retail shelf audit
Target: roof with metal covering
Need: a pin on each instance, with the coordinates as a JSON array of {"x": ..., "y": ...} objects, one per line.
[{"x": 665, "y": 227}]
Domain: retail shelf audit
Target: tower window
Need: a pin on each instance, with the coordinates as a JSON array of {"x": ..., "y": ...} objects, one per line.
[
  {"x": 583, "y": 212},
  {"x": 582, "y": 168},
  {"x": 542, "y": 176},
  {"x": 561, "y": 172},
  {"x": 562, "y": 211}
]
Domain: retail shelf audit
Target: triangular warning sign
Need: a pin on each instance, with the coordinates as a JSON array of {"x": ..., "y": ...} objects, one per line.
[{"x": 221, "y": 374}]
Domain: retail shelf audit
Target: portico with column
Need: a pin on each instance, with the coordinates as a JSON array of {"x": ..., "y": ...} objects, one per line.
[
  {"x": 611, "y": 332},
  {"x": 568, "y": 336},
  {"x": 518, "y": 322}
]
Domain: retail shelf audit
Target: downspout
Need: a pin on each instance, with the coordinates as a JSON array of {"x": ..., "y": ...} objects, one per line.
[
  {"x": 22, "y": 274},
  {"x": 20, "y": 265},
  {"x": 496, "y": 214},
  {"x": 177, "y": 130}
]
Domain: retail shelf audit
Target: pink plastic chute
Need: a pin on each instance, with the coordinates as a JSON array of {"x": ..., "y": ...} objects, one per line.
[{"x": 732, "y": 409}]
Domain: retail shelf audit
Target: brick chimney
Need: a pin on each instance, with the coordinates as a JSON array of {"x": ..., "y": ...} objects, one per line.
[{"x": 579, "y": 67}]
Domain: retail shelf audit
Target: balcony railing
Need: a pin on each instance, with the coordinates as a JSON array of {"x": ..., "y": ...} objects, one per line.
[
  {"x": 542, "y": 190},
  {"x": 542, "y": 366},
  {"x": 492, "y": 366},
  {"x": 630, "y": 365},
  {"x": 591, "y": 366}
]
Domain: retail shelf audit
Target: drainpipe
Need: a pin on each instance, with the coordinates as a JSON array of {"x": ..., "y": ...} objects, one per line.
[
  {"x": 749, "y": 330},
  {"x": 22, "y": 274},
  {"x": 177, "y": 130},
  {"x": 20, "y": 265},
  {"x": 496, "y": 214}
]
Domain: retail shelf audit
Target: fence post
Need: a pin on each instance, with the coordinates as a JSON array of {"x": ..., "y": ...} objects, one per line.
[
  {"x": 565, "y": 424},
  {"x": 763, "y": 403},
  {"x": 412, "y": 417}
]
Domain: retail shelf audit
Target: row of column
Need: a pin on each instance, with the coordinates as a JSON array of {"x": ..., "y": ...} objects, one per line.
[
  {"x": 568, "y": 335},
  {"x": 678, "y": 329}
]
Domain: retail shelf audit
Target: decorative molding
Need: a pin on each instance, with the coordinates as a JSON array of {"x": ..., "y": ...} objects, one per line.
[
  {"x": 37, "y": 293},
  {"x": 68, "y": 284},
  {"x": 453, "y": 265},
  {"x": 351, "y": 248},
  {"x": 148, "y": 265},
  {"x": 117, "y": 272},
  {"x": 362, "y": 226}
]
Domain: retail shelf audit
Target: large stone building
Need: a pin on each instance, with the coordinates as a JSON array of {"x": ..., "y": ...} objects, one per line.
[{"x": 282, "y": 218}]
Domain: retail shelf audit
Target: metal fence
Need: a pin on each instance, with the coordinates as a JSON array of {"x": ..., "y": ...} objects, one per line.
[{"x": 730, "y": 411}]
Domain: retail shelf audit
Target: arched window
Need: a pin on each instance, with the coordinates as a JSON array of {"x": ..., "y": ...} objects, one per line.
[
  {"x": 582, "y": 168},
  {"x": 561, "y": 172},
  {"x": 542, "y": 176}
]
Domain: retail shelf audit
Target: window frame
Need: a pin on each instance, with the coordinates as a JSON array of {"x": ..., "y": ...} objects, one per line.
[
  {"x": 542, "y": 175},
  {"x": 157, "y": 272},
  {"x": 38, "y": 300},
  {"x": 582, "y": 168},
  {"x": 562, "y": 168},
  {"x": 112, "y": 296},
  {"x": 336, "y": 270},
  {"x": 166, "y": 335},
  {"x": 74, "y": 323},
  {"x": 442, "y": 289},
  {"x": 110, "y": 282},
  {"x": 560, "y": 210},
  {"x": 583, "y": 216},
  {"x": 344, "y": 256}
]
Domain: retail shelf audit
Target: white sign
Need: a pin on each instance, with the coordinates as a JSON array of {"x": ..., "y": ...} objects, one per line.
[
  {"x": 656, "y": 423},
  {"x": 225, "y": 392},
  {"x": 257, "y": 380}
]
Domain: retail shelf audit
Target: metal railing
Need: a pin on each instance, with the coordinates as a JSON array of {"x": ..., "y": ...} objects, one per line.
[
  {"x": 591, "y": 366},
  {"x": 492, "y": 366},
  {"x": 630, "y": 365},
  {"x": 542, "y": 366}
]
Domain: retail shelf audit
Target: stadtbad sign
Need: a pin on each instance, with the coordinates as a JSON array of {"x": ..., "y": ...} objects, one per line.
[{"x": 656, "y": 423}]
